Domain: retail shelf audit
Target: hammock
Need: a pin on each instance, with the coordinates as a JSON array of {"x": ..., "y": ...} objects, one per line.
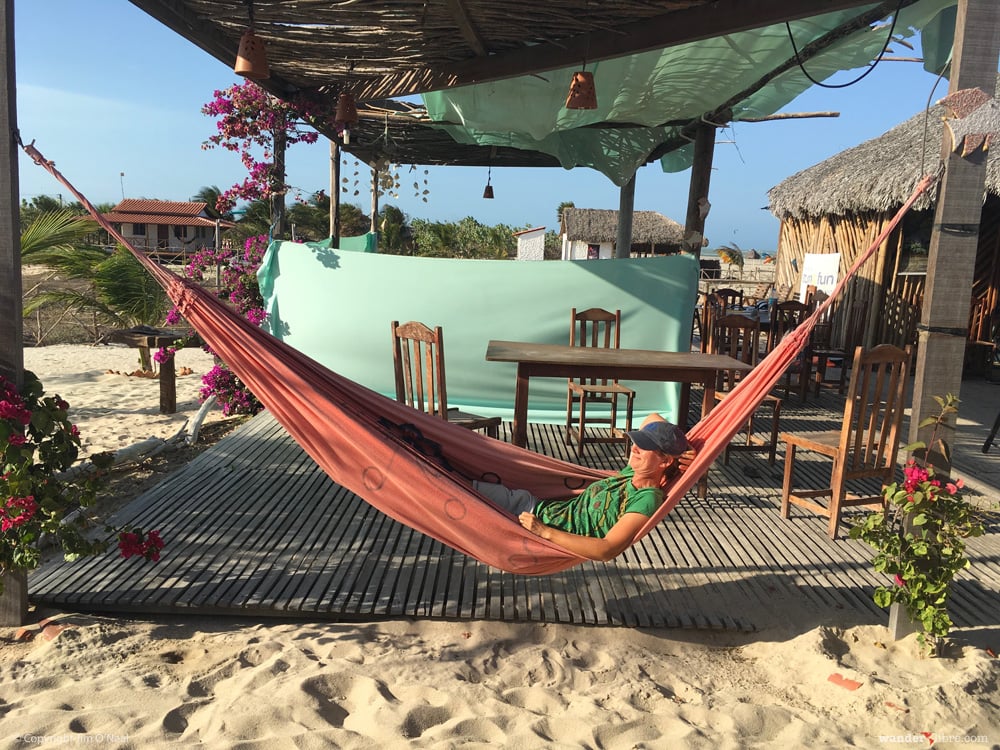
[{"x": 364, "y": 441}]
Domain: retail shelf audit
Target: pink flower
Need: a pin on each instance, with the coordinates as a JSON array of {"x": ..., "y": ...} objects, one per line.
[
  {"x": 165, "y": 354},
  {"x": 952, "y": 488},
  {"x": 899, "y": 580},
  {"x": 17, "y": 511},
  {"x": 16, "y": 439},
  {"x": 914, "y": 477},
  {"x": 129, "y": 544}
]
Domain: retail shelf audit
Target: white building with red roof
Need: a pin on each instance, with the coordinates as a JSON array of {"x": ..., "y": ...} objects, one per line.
[{"x": 170, "y": 230}]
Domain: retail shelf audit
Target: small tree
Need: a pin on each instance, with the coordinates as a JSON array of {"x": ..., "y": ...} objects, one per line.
[{"x": 249, "y": 120}]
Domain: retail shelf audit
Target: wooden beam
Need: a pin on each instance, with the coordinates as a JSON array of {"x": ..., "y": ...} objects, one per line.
[
  {"x": 951, "y": 262},
  {"x": 701, "y": 177},
  {"x": 673, "y": 28},
  {"x": 469, "y": 31},
  {"x": 11, "y": 331},
  {"x": 626, "y": 211}
]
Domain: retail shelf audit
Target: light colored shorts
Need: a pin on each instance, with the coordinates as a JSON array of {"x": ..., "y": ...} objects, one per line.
[{"x": 513, "y": 501}]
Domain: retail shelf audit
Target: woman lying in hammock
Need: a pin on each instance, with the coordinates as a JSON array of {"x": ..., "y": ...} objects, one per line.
[{"x": 602, "y": 521}]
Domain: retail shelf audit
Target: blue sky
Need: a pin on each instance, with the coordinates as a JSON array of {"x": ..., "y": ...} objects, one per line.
[{"x": 104, "y": 89}]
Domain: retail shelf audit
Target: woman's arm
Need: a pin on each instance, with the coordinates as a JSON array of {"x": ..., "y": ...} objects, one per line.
[{"x": 613, "y": 544}]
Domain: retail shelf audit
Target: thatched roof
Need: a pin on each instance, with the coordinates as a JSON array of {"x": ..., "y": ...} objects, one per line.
[
  {"x": 601, "y": 225},
  {"x": 383, "y": 49},
  {"x": 876, "y": 176}
]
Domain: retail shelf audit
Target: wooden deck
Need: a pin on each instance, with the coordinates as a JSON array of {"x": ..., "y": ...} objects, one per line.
[{"x": 255, "y": 529}]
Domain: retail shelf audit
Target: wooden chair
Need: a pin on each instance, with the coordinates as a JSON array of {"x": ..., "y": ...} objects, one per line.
[
  {"x": 712, "y": 309},
  {"x": 596, "y": 327},
  {"x": 731, "y": 298},
  {"x": 822, "y": 348},
  {"x": 785, "y": 317},
  {"x": 738, "y": 336},
  {"x": 418, "y": 362},
  {"x": 865, "y": 446}
]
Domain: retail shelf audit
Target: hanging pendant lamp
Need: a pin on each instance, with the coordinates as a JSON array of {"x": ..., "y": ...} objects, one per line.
[
  {"x": 488, "y": 192},
  {"x": 251, "y": 59},
  {"x": 582, "y": 94},
  {"x": 346, "y": 115}
]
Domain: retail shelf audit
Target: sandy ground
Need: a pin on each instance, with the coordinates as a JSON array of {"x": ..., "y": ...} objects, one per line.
[{"x": 84, "y": 679}]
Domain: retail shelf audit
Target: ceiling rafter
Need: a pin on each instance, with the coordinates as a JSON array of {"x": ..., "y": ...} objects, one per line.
[{"x": 469, "y": 31}]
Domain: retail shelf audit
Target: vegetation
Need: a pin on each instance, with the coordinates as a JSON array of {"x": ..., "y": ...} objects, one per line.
[
  {"x": 114, "y": 291},
  {"x": 919, "y": 538}
]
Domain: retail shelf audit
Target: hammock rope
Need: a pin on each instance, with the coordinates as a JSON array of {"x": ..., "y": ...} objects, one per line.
[{"x": 342, "y": 426}]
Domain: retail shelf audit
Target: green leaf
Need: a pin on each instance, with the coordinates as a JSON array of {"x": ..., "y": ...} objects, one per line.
[{"x": 920, "y": 519}]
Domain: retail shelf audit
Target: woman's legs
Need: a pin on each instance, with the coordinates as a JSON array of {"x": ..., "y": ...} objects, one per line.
[{"x": 515, "y": 502}]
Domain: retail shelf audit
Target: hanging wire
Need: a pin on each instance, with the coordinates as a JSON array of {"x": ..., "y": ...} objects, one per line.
[
  {"x": 927, "y": 114},
  {"x": 871, "y": 67}
]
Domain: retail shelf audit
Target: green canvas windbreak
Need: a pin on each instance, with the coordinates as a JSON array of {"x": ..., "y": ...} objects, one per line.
[
  {"x": 365, "y": 243},
  {"x": 674, "y": 85},
  {"x": 337, "y": 307}
]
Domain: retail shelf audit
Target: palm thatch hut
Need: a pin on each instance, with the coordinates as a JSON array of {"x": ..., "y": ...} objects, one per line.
[
  {"x": 592, "y": 232},
  {"x": 841, "y": 206}
]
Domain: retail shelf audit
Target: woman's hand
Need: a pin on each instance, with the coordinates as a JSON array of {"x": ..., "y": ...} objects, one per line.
[{"x": 532, "y": 524}]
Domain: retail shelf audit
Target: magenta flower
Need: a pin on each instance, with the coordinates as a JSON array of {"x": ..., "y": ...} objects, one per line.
[{"x": 17, "y": 511}]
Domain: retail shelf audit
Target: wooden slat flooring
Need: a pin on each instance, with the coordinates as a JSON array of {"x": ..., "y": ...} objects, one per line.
[{"x": 254, "y": 528}]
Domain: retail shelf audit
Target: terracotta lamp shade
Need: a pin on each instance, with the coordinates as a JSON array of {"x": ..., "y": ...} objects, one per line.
[
  {"x": 347, "y": 111},
  {"x": 488, "y": 192},
  {"x": 582, "y": 94},
  {"x": 251, "y": 60}
]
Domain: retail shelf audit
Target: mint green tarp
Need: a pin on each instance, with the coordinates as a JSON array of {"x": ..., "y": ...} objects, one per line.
[
  {"x": 337, "y": 307},
  {"x": 365, "y": 243},
  {"x": 674, "y": 85}
]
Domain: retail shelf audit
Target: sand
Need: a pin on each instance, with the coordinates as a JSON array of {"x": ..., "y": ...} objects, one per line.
[{"x": 84, "y": 679}]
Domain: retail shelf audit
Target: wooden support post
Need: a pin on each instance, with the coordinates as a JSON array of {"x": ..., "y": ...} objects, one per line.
[
  {"x": 278, "y": 197},
  {"x": 168, "y": 387},
  {"x": 14, "y": 598},
  {"x": 334, "y": 194},
  {"x": 626, "y": 210},
  {"x": 11, "y": 322},
  {"x": 701, "y": 176},
  {"x": 955, "y": 236},
  {"x": 374, "y": 222}
]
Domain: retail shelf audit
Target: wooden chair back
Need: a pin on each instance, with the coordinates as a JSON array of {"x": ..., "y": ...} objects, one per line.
[
  {"x": 418, "y": 363},
  {"x": 712, "y": 309},
  {"x": 784, "y": 317},
  {"x": 873, "y": 415},
  {"x": 737, "y": 336},
  {"x": 595, "y": 327},
  {"x": 731, "y": 298}
]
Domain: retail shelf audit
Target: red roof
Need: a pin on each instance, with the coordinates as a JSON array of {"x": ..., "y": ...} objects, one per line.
[
  {"x": 171, "y": 208},
  {"x": 174, "y": 213}
]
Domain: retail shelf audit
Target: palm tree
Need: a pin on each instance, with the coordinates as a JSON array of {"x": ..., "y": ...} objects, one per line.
[
  {"x": 114, "y": 289},
  {"x": 562, "y": 207},
  {"x": 209, "y": 195}
]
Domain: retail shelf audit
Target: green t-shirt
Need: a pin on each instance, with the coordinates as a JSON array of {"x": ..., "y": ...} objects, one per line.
[{"x": 599, "y": 507}]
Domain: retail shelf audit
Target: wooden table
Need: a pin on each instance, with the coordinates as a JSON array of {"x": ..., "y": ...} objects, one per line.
[
  {"x": 564, "y": 361},
  {"x": 146, "y": 337}
]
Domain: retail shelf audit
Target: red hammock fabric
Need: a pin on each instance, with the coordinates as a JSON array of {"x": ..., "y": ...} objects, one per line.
[{"x": 339, "y": 424}]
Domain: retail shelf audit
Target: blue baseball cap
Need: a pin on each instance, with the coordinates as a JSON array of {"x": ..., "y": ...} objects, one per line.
[{"x": 661, "y": 436}]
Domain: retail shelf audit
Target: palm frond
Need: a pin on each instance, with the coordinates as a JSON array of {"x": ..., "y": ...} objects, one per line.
[{"x": 54, "y": 229}]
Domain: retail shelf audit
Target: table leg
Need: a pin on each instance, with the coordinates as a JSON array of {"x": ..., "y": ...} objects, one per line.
[
  {"x": 683, "y": 405},
  {"x": 519, "y": 431},
  {"x": 708, "y": 401},
  {"x": 168, "y": 387}
]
